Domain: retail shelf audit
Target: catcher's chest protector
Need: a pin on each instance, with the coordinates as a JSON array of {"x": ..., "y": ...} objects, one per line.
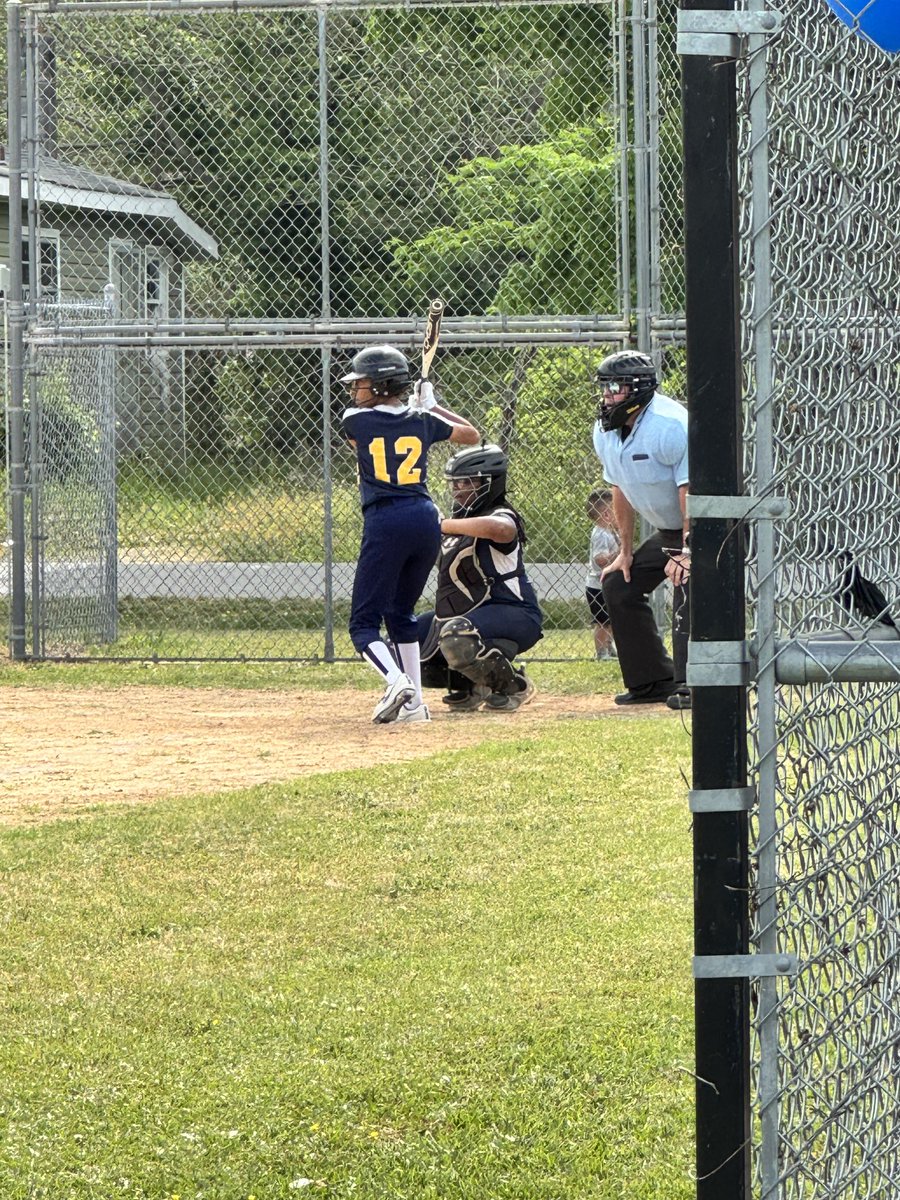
[{"x": 462, "y": 583}]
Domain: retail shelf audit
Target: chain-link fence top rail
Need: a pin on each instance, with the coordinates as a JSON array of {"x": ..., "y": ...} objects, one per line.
[{"x": 834, "y": 193}]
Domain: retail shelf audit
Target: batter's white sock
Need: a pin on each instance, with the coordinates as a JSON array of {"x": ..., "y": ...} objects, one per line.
[
  {"x": 411, "y": 664},
  {"x": 383, "y": 661}
]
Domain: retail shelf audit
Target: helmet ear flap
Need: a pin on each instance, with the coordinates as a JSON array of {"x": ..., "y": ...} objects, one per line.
[{"x": 389, "y": 387}]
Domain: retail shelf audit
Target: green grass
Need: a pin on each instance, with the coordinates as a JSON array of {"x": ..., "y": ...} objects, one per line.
[
  {"x": 566, "y": 678},
  {"x": 254, "y": 629},
  {"x": 466, "y": 977},
  {"x": 165, "y": 643},
  {"x": 225, "y": 512}
]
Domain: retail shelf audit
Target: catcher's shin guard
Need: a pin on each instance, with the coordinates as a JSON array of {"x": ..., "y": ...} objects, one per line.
[{"x": 462, "y": 646}]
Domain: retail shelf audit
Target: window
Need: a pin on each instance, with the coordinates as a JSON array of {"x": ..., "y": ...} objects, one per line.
[
  {"x": 140, "y": 276},
  {"x": 48, "y": 269},
  {"x": 156, "y": 287}
]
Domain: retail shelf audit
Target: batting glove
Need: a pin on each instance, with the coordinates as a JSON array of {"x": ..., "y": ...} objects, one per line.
[{"x": 423, "y": 397}]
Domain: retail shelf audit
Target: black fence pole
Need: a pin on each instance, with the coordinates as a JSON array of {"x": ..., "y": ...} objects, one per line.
[{"x": 719, "y": 717}]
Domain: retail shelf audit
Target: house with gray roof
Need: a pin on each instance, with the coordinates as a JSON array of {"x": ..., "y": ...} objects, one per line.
[{"x": 96, "y": 231}]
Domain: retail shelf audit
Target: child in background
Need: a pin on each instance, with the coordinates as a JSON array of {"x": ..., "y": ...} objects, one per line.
[{"x": 603, "y": 549}]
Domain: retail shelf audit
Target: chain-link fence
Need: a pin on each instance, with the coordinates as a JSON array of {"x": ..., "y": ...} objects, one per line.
[
  {"x": 255, "y": 192},
  {"x": 820, "y": 187},
  {"x": 212, "y": 549}
]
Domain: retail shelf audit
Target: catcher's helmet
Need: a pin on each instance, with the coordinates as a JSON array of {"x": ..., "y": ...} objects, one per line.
[
  {"x": 629, "y": 370},
  {"x": 484, "y": 469},
  {"x": 385, "y": 367}
]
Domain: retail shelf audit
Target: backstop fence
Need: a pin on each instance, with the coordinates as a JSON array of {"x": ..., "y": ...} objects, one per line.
[
  {"x": 252, "y": 192},
  {"x": 821, "y": 273}
]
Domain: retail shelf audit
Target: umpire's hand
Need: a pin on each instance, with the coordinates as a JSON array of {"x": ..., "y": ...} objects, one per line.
[
  {"x": 622, "y": 562},
  {"x": 678, "y": 568}
]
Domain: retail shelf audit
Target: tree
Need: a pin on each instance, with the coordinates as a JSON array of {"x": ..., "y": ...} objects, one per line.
[{"x": 534, "y": 230}]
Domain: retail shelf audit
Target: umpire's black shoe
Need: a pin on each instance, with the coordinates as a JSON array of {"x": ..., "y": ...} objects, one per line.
[
  {"x": 648, "y": 693},
  {"x": 680, "y": 698}
]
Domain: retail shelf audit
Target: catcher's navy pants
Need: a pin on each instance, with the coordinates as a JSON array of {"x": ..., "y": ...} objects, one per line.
[
  {"x": 512, "y": 628},
  {"x": 496, "y": 622},
  {"x": 400, "y": 544}
]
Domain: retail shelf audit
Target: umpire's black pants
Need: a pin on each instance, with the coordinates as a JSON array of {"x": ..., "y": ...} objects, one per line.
[{"x": 642, "y": 655}]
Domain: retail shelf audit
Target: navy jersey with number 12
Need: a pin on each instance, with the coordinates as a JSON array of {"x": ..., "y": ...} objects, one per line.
[{"x": 392, "y": 449}]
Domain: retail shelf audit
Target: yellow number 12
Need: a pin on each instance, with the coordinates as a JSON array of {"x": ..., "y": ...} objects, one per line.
[{"x": 408, "y": 471}]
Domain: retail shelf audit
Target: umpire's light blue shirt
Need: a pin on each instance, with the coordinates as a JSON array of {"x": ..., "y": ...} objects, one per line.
[{"x": 652, "y": 462}]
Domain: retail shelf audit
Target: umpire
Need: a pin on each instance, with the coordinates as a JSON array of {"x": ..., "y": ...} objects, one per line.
[{"x": 641, "y": 439}]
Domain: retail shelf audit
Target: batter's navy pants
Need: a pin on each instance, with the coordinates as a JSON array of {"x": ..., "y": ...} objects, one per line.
[{"x": 400, "y": 545}]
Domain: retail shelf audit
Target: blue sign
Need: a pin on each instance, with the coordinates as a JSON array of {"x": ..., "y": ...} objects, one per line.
[{"x": 876, "y": 20}]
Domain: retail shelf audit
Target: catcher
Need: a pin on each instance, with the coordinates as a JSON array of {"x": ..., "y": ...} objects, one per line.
[{"x": 486, "y": 610}]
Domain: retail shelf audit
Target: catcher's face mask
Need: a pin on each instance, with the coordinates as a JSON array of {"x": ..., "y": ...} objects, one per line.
[{"x": 467, "y": 492}]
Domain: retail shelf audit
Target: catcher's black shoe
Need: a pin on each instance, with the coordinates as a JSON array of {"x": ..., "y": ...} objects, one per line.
[
  {"x": 466, "y": 701},
  {"x": 680, "y": 698},
  {"x": 500, "y": 702},
  {"x": 648, "y": 693}
]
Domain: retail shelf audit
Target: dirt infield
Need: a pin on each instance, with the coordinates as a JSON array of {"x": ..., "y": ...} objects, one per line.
[{"x": 65, "y": 749}]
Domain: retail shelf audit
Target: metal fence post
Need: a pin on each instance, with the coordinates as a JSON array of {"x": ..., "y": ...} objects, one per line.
[
  {"x": 623, "y": 196},
  {"x": 643, "y": 223},
  {"x": 109, "y": 456},
  {"x": 767, "y": 724},
  {"x": 35, "y": 297},
  {"x": 16, "y": 402},
  {"x": 654, "y": 284},
  {"x": 641, "y": 174},
  {"x": 328, "y": 498},
  {"x": 328, "y": 506},
  {"x": 719, "y": 738}
]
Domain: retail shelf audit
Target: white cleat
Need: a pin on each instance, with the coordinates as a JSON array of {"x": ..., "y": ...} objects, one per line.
[
  {"x": 397, "y": 694},
  {"x": 419, "y": 713},
  {"x": 400, "y": 692}
]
